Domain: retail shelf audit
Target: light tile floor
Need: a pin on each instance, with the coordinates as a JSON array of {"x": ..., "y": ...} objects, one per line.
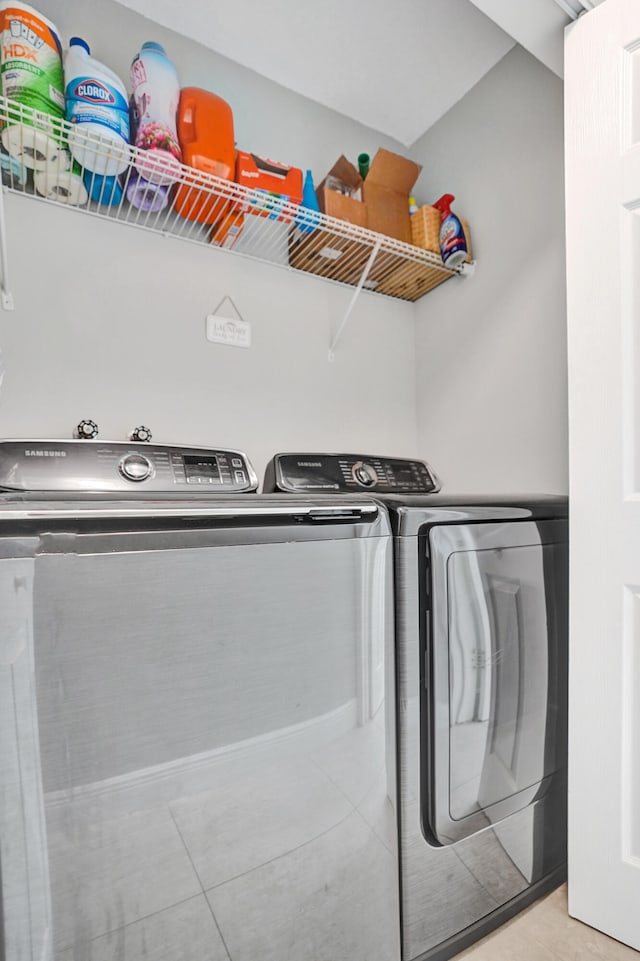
[
  {"x": 545, "y": 932},
  {"x": 217, "y": 862},
  {"x": 198, "y": 868}
]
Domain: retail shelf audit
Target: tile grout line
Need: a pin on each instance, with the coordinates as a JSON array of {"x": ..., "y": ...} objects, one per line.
[
  {"x": 145, "y": 917},
  {"x": 354, "y": 807},
  {"x": 373, "y": 831},
  {"x": 335, "y": 784},
  {"x": 298, "y": 847},
  {"x": 483, "y": 886},
  {"x": 199, "y": 879}
]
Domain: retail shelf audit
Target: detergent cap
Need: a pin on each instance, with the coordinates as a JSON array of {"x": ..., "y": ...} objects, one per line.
[
  {"x": 444, "y": 205},
  {"x": 151, "y": 45},
  {"x": 79, "y": 42}
]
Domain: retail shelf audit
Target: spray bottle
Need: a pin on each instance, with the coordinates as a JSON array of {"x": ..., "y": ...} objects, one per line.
[
  {"x": 307, "y": 219},
  {"x": 453, "y": 244}
]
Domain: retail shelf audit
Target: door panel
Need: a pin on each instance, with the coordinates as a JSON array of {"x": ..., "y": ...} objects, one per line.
[
  {"x": 212, "y": 729},
  {"x": 182, "y": 664},
  {"x": 602, "y": 106},
  {"x": 514, "y": 859},
  {"x": 496, "y": 671}
]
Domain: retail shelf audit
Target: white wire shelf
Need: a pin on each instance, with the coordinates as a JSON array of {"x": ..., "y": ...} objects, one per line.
[{"x": 199, "y": 207}]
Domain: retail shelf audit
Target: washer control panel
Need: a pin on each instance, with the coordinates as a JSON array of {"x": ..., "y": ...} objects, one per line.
[
  {"x": 306, "y": 473},
  {"x": 96, "y": 466}
]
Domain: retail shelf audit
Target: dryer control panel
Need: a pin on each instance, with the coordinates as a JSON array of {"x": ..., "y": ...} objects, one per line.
[
  {"x": 313, "y": 473},
  {"x": 93, "y": 466}
]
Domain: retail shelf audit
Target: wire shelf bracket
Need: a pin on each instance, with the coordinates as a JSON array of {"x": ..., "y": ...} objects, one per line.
[
  {"x": 354, "y": 298},
  {"x": 6, "y": 297}
]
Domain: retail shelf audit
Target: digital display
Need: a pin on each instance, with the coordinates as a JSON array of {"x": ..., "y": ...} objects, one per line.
[
  {"x": 195, "y": 466},
  {"x": 408, "y": 478},
  {"x": 405, "y": 476}
]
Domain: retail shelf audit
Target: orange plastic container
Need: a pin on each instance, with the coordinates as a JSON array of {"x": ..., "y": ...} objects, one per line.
[
  {"x": 277, "y": 184},
  {"x": 227, "y": 231},
  {"x": 205, "y": 132}
]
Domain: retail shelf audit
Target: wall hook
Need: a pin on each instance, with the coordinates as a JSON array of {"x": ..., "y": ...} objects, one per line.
[{"x": 227, "y": 299}]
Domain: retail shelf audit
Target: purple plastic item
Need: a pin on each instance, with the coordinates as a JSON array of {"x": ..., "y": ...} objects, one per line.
[{"x": 146, "y": 196}]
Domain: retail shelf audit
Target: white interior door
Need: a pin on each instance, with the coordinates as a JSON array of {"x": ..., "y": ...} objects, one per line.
[{"x": 602, "y": 88}]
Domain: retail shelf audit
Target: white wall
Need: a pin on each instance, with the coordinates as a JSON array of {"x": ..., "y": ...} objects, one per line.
[
  {"x": 491, "y": 351},
  {"x": 109, "y": 320},
  {"x": 109, "y": 324},
  {"x": 268, "y": 119}
]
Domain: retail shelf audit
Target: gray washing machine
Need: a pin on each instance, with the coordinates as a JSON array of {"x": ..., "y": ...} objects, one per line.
[
  {"x": 476, "y": 679},
  {"x": 192, "y": 737}
]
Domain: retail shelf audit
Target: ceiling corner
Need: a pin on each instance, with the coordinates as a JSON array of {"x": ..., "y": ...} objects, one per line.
[{"x": 537, "y": 25}]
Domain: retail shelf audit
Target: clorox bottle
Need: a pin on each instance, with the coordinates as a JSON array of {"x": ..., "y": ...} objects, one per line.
[
  {"x": 453, "y": 244},
  {"x": 98, "y": 110}
]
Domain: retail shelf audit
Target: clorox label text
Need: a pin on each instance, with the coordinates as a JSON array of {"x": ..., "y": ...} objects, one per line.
[{"x": 94, "y": 92}]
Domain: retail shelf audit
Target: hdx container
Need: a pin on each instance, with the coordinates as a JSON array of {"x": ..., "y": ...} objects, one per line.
[{"x": 31, "y": 73}]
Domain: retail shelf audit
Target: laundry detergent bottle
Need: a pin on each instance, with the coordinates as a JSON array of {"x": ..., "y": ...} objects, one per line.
[
  {"x": 97, "y": 110},
  {"x": 453, "y": 244},
  {"x": 31, "y": 77},
  {"x": 156, "y": 92}
]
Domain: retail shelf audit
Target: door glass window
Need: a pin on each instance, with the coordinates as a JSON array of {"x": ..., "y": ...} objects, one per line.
[
  {"x": 495, "y": 706},
  {"x": 498, "y": 675}
]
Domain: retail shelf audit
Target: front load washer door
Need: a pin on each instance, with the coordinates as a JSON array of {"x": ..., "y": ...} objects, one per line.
[{"x": 494, "y": 698}]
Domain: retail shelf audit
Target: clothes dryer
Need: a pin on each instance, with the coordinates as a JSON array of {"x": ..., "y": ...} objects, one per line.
[{"x": 477, "y": 678}]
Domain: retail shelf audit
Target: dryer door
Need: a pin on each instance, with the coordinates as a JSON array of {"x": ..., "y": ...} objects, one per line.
[{"x": 494, "y": 704}]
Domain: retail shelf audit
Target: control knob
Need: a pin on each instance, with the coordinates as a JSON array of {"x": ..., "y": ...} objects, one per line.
[
  {"x": 86, "y": 430},
  {"x": 141, "y": 434},
  {"x": 364, "y": 474},
  {"x": 136, "y": 467}
]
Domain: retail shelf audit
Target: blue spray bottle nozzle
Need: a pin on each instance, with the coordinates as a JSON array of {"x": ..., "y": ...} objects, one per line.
[{"x": 307, "y": 217}]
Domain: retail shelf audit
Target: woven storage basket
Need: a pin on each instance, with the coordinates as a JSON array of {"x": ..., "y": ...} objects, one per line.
[
  {"x": 425, "y": 230},
  {"x": 412, "y": 281}
]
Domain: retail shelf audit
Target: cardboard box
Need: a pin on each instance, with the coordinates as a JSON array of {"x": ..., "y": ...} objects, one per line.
[
  {"x": 386, "y": 194},
  {"x": 343, "y": 205},
  {"x": 277, "y": 183}
]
